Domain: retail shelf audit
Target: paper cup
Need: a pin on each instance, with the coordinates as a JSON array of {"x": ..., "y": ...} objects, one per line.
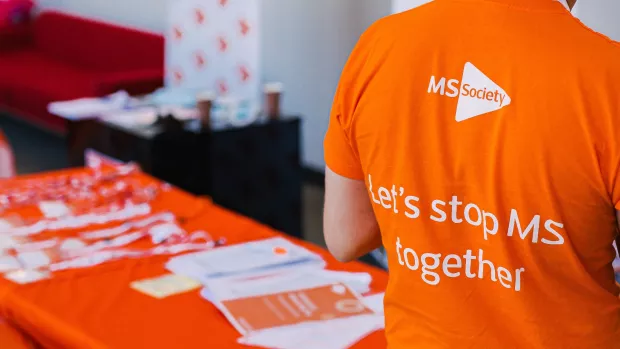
[
  {"x": 273, "y": 96},
  {"x": 204, "y": 104}
]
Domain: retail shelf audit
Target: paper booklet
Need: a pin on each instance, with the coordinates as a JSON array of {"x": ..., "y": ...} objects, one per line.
[
  {"x": 252, "y": 258},
  {"x": 332, "y": 334},
  {"x": 288, "y": 308},
  {"x": 310, "y": 318},
  {"x": 281, "y": 281}
]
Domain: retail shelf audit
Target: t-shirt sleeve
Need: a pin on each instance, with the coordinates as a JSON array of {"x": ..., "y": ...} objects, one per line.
[
  {"x": 614, "y": 174},
  {"x": 616, "y": 190},
  {"x": 339, "y": 154}
]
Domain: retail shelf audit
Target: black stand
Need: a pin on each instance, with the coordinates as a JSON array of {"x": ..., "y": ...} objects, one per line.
[{"x": 254, "y": 170}]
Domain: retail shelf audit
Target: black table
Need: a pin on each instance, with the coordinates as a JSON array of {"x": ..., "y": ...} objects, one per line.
[{"x": 253, "y": 170}]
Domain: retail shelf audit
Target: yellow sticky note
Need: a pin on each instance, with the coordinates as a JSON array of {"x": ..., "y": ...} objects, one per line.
[{"x": 165, "y": 286}]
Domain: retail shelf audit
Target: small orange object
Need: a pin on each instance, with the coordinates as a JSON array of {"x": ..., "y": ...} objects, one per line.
[{"x": 280, "y": 250}]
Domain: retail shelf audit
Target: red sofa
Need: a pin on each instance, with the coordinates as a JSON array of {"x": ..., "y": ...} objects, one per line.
[{"x": 62, "y": 57}]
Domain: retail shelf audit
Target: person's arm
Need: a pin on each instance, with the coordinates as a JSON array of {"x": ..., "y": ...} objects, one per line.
[
  {"x": 616, "y": 264},
  {"x": 349, "y": 223}
]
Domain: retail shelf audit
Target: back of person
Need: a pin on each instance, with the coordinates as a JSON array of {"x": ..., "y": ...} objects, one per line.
[{"x": 488, "y": 133}]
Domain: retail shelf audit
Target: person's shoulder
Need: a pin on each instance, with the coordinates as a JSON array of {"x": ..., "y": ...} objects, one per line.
[
  {"x": 609, "y": 46},
  {"x": 595, "y": 43}
]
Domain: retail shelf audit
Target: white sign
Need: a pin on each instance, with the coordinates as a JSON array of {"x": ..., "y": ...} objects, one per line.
[{"x": 214, "y": 45}]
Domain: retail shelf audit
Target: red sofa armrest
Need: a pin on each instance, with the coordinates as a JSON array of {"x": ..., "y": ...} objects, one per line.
[
  {"x": 134, "y": 82},
  {"x": 15, "y": 36}
]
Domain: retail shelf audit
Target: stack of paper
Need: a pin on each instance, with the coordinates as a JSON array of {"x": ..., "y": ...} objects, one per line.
[
  {"x": 258, "y": 257},
  {"x": 85, "y": 108},
  {"x": 282, "y": 314},
  {"x": 278, "y": 295},
  {"x": 147, "y": 115},
  {"x": 288, "y": 308},
  {"x": 284, "y": 280},
  {"x": 331, "y": 334}
]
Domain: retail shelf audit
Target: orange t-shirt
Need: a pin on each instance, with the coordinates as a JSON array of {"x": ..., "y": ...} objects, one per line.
[{"x": 487, "y": 133}]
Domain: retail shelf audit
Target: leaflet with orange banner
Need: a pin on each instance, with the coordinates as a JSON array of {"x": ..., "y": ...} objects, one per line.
[{"x": 288, "y": 308}]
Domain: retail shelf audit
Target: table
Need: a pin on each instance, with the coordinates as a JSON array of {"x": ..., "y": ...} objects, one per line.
[
  {"x": 95, "y": 307},
  {"x": 12, "y": 338},
  {"x": 253, "y": 170}
]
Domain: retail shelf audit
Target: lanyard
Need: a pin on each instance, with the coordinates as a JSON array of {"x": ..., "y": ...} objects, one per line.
[
  {"x": 46, "y": 255},
  {"x": 71, "y": 222},
  {"x": 125, "y": 227},
  {"x": 197, "y": 241},
  {"x": 160, "y": 228},
  {"x": 78, "y": 186},
  {"x": 159, "y": 232}
]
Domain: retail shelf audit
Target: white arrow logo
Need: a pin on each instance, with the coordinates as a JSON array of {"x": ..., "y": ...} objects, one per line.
[{"x": 477, "y": 93}]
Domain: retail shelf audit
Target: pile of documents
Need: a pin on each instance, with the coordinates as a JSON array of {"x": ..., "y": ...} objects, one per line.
[
  {"x": 85, "y": 108},
  {"x": 278, "y": 295}
]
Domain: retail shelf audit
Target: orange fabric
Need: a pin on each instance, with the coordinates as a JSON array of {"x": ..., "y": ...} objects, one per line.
[
  {"x": 96, "y": 308},
  {"x": 11, "y": 338},
  {"x": 487, "y": 134}
]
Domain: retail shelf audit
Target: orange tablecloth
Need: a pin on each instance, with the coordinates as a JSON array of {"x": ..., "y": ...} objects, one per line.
[
  {"x": 12, "y": 338},
  {"x": 96, "y": 308}
]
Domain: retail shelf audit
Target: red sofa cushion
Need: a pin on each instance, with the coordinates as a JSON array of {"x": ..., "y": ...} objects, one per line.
[
  {"x": 15, "y": 37},
  {"x": 31, "y": 70},
  {"x": 136, "y": 82},
  {"x": 62, "y": 57},
  {"x": 30, "y": 80},
  {"x": 97, "y": 45}
]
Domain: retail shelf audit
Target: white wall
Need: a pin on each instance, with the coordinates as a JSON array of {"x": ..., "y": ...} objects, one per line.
[
  {"x": 307, "y": 54},
  {"x": 600, "y": 15},
  {"x": 305, "y": 45},
  {"x": 403, "y": 5},
  {"x": 301, "y": 50},
  {"x": 144, "y": 14}
]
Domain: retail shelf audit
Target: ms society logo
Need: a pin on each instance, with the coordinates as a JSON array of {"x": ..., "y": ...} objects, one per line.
[{"x": 477, "y": 93}]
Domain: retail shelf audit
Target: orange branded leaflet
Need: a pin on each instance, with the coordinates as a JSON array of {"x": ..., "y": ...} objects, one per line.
[
  {"x": 487, "y": 133},
  {"x": 288, "y": 308}
]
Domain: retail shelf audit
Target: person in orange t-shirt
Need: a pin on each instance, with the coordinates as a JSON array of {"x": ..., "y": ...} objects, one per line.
[{"x": 478, "y": 142}]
